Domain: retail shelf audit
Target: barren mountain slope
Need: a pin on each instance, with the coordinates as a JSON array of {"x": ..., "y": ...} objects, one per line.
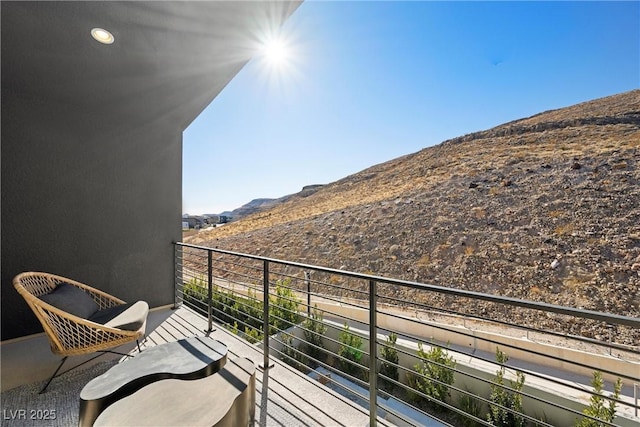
[{"x": 488, "y": 211}]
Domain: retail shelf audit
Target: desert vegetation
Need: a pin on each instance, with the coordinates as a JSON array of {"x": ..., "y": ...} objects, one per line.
[{"x": 428, "y": 382}]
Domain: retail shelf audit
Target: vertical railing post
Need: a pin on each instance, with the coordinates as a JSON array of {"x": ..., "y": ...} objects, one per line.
[
  {"x": 265, "y": 316},
  {"x": 308, "y": 283},
  {"x": 209, "y": 291},
  {"x": 635, "y": 396},
  {"x": 373, "y": 353},
  {"x": 177, "y": 249}
]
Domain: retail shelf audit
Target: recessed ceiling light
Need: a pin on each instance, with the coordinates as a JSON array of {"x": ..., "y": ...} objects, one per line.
[{"x": 102, "y": 35}]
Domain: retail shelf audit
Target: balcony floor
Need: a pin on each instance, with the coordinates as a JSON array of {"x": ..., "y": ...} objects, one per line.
[{"x": 291, "y": 398}]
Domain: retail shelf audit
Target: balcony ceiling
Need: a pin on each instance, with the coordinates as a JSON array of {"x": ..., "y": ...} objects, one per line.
[{"x": 169, "y": 59}]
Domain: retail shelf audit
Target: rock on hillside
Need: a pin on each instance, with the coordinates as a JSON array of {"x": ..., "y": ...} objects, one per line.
[{"x": 545, "y": 208}]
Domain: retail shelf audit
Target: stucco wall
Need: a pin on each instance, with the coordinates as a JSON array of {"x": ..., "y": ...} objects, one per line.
[
  {"x": 100, "y": 205},
  {"x": 92, "y": 135}
]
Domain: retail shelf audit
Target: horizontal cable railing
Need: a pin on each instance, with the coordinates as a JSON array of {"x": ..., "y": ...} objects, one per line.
[{"x": 410, "y": 351}]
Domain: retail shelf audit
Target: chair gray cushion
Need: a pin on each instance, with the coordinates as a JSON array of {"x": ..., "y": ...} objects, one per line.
[
  {"x": 71, "y": 299},
  {"x": 129, "y": 317}
]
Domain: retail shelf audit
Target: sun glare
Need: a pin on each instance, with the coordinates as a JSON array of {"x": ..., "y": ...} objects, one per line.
[
  {"x": 278, "y": 59},
  {"x": 275, "y": 52}
]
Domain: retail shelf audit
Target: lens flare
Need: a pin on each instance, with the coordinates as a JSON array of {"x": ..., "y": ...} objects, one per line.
[{"x": 276, "y": 52}]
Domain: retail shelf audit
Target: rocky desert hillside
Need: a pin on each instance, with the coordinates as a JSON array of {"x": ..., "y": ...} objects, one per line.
[{"x": 545, "y": 208}]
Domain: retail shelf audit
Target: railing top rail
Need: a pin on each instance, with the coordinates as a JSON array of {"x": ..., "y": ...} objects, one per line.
[{"x": 552, "y": 308}]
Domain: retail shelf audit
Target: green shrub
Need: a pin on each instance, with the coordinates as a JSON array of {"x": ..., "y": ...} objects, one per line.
[
  {"x": 389, "y": 367},
  {"x": 314, "y": 329},
  {"x": 351, "y": 350},
  {"x": 229, "y": 307},
  {"x": 435, "y": 373},
  {"x": 289, "y": 354},
  {"x": 232, "y": 328},
  {"x": 283, "y": 308},
  {"x": 252, "y": 335},
  {"x": 500, "y": 396},
  {"x": 232, "y": 309},
  {"x": 253, "y": 309},
  {"x": 195, "y": 288},
  {"x": 471, "y": 406},
  {"x": 598, "y": 407}
]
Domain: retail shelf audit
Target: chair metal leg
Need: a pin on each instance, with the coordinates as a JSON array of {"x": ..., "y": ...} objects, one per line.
[
  {"x": 54, "y": 375},
  {"x": 101, "y": 352}
]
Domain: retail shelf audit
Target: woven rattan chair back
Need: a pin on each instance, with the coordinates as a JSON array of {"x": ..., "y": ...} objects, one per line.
[{"x": 70, "y": 335}]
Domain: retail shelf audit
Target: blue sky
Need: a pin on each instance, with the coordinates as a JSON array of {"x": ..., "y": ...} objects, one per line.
[{"x": 367, "y": 82}]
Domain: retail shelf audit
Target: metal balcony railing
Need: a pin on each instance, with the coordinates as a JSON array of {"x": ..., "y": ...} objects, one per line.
[{"x": 412, "y": 352}]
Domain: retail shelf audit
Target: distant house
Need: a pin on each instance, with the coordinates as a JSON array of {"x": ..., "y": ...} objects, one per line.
[
  {"x": 211, "y": 219},
  {"x": 192, "y": 221}
]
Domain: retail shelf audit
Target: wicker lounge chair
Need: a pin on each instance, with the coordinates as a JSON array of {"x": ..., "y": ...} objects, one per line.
[{"x": 79, "y": 319}]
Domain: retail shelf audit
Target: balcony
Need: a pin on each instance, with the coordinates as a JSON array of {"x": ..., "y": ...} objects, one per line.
[
  {"x": 284, "y": 396},
  {"x": 446, "y": 341},
  {"x": 321, "y": 359}
]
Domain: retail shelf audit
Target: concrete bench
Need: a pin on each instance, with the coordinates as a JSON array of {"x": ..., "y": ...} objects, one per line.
[
  {"x": 225, "y": 399},
  {"x": 186, "y": 359}
]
